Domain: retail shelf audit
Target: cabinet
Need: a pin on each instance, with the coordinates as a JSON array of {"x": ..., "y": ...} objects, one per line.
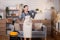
[
  {"x": 56, "y": 34},
  {"x": 56, "y": 31},
  {"x": 2, "y": 27},
  {"x": 4, "y": 37},
  {"x": 13, "y": 14}
]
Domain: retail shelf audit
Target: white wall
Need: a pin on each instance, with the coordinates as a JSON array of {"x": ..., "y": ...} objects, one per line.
[
  {"x": 57, "y": 5},
  {"x": 41, "y": 4},
  {"x": 33, "y": 4}
]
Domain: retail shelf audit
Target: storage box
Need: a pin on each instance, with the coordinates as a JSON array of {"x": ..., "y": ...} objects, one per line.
[
  {"x": 3, "y": 27},
  {"x": 9, "y": 20}
]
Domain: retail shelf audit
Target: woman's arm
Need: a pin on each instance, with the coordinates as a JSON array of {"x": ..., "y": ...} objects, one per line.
[{"x": 22, "y": 16}]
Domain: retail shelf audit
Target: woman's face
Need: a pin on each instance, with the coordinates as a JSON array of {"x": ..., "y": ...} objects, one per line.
[{"x": 26, "y": 8}]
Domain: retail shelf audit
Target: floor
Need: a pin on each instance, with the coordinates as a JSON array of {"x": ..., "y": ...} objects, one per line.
[{"x": 48, "y": 38}]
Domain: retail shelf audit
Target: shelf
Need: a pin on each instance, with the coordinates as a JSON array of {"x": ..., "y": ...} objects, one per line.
[
  {"x": 13, "y": 10},
  {"x": 12, "y": 16}
]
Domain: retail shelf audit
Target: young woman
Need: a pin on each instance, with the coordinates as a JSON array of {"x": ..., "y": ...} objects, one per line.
[
  {"x": 25, "y": 12},
  {"x": 27, "y": 29}
]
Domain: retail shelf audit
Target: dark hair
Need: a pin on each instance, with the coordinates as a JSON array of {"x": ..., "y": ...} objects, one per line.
[{"x": 24, "y": 7}]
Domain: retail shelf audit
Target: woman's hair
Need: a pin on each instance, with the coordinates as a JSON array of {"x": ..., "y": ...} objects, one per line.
[{"x": 24, "y": 7}]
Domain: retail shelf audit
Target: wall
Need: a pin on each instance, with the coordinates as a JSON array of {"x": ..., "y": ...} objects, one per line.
[
  {"x": 41, "y": 4},
  {"x": 33, "y": 4},
  {"x": 57, "y": 5}
]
